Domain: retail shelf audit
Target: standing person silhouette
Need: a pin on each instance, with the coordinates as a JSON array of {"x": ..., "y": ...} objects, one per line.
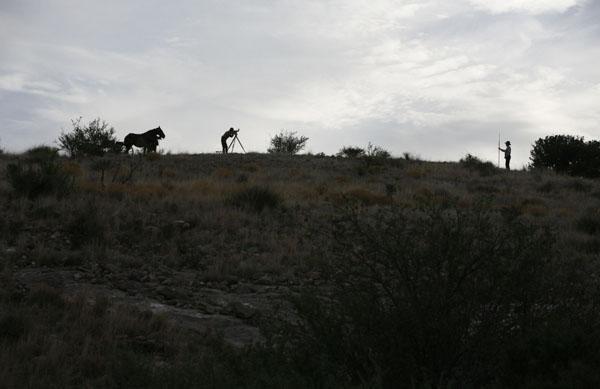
[
  {"x": 228, "y": 134},
  {"x": 506, "y": 152}
]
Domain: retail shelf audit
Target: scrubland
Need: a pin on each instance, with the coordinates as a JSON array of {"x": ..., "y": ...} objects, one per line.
[{"x": 300, "y": 271}]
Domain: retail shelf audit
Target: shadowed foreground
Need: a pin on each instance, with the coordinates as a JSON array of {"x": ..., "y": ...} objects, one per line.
[{"x": 277, "y": 271}]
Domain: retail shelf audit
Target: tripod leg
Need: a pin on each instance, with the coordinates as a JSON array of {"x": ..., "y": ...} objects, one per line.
[{"x": 241, "y": 145}]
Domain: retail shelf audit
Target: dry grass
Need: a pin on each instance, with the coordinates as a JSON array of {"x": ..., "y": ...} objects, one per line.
[{"x": 174, "y": 213}]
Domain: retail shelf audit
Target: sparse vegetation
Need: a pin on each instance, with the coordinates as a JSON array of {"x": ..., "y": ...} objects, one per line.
[
  {"x": 264, "y": 271},
  {"x": 39, "y": 173},
  {"x": 424, "y": 296},
  {"x": 473, "y": 163},
  {"x": 351, "y": 152},
  {"x": 376, "y": 153},
  {"x": 287, "y": 142},
  {"x": 255, "y": 198},
  {"x": 92, "y": 139}
]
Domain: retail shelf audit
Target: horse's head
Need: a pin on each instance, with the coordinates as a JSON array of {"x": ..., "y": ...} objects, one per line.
[{"x": 159, "y": 132}]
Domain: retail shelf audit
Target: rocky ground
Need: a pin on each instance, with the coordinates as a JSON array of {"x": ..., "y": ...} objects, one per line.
[{"x": 169, "y": 252}]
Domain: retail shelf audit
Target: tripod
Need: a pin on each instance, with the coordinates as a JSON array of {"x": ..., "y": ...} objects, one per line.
[{"x": 232, "y": 144}]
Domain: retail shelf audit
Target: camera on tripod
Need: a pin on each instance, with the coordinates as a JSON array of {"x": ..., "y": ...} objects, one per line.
[{"x": 235, "y": 139}]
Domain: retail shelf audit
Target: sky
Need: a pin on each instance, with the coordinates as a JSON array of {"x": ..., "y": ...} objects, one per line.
[{"x": 434, "y": 78}]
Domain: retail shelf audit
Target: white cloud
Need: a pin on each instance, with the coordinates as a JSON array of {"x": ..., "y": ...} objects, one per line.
[
  {"x": 395, "y": 72},
  {"x": 530, "y": 6}
]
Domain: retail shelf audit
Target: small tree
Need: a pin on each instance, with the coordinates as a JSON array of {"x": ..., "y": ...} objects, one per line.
[
  {"x": 92, "y": 139},
  {"x": 351, "y": 152},
  {"x": 287, "y": 142},
  {"x": 375, "y": 156},
  {"x": 376, "y": 152},
  {"x": 567, "y": 154}
]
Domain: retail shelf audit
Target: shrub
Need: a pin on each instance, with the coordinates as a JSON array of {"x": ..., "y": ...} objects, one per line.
[
  {"x": 92, "y": 139},
  {"x": 86, "y": 225},
  {"x": 567, "y": 154},
  {"x": 433, "y": 297},
  {"x": 287, "y": 142},
  {"x": 376, "y": 152},
  {"x": 351, "y": 152},
  {"x": 471, "y": 163},
  {"x": 255, "y": 198},
  {"x": 374, "y": 157},
  {"x": 40, "y": 173},
  {"x": 42, "y": 153},
  {"x": 410, "y": 157}
]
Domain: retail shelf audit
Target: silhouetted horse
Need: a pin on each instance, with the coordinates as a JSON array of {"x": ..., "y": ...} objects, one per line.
[{"x": 148, "y": 140}]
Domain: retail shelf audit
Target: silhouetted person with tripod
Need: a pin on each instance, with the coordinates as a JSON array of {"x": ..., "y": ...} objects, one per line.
[
  {"x": 506, "y": 152},
  {"x": 228, "y": 134}
]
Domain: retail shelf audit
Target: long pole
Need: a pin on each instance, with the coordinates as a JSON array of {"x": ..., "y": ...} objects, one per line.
[{"x": 498, "y": 148}]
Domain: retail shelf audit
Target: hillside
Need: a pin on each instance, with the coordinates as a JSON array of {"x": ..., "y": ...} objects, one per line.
[{"x": 276, "y": 271}]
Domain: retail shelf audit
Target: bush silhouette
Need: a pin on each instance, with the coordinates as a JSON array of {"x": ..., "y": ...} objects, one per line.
[
  {"x": 436, "y": 297},
  {"x": 287, "y": 142},
  {"x": 374, "y": 156},
  {"x": 39, "y": 173},
  {"x": 471, "y": 163},
  {"x": 92, "y": 139},
  {"x": 567, "y": 154},
  {"x": 351, "y": 152}
]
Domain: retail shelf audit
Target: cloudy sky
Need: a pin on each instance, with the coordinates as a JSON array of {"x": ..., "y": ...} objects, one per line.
[{"x": 435, "y": 78}]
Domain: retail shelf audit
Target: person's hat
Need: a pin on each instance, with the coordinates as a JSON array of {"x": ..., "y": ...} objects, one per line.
[
  {"x": 230, "y": 128},
  {"x": 507, "y": 142}
]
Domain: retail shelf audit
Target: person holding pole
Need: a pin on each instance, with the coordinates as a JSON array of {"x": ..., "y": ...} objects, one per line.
[
  {"x": 506, "y": 152},
  {"x": 228, "y": 134}
]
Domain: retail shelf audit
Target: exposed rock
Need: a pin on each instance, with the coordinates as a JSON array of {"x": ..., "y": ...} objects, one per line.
[
  {"x": 234, "y": 331},
  {"x": 210, "y": 311}
]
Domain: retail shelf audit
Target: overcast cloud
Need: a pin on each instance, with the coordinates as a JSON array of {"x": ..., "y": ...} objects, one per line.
[{"x": 434, "y": 78}]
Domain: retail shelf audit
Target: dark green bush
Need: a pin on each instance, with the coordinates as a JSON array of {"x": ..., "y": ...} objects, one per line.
[
  {"x": 351, "y": 152},
  {"x": 375, "y": 155},
  {"x": 92, "y": 139},
  {"x": 442, "y": 298},
  {"x": 255, "y": 198},
  {"x": 567, "y": 154},
  {"x": 86, "y": 225},
  {"x": 287, "y": 142},
  {"x": 39, "y": 173}
]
